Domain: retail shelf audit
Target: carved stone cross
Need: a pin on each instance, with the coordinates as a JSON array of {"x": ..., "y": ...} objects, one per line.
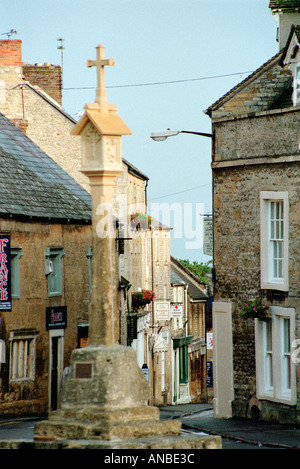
[{"x": 100, "y": 63}]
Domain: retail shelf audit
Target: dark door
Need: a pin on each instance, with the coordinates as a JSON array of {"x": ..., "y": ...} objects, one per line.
[{"x": 54, "y": 373}]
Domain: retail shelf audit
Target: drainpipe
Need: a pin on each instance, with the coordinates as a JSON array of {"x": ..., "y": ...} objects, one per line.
[{"x": 146, "y": 195}]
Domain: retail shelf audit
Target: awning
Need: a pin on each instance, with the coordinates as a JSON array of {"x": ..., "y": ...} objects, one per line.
[{"x": 180, "y": 341}]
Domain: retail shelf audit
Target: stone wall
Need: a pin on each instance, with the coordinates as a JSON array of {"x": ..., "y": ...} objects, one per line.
[
  {"x": 51, "y": 130},
  {"x": 47, "y": 77},
  {"x": 237, "y": 223},
  {"x": 237, "y": 251},
  {"x": 246, "y": 137}
]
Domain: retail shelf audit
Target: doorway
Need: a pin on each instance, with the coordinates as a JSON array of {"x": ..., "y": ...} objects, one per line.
[
  {"x": 56, "y": 366},
  {"x": 222, "y": 360}
]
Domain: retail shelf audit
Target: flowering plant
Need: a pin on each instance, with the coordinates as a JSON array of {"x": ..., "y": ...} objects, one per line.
[
  {"x": 140, "y": 221},
  {"x": 254, "y": 309},
  {"x": 142, "y": 298}
]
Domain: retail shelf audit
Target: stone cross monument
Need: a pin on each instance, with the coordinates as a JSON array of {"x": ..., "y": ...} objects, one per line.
[
  {"x": 105, "y": 396},
  {"x": 100, "y": 63},
  {"x": 101, "y": 129}
]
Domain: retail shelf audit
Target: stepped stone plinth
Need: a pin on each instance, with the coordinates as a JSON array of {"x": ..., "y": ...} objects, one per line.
[
  {"x": 105, "y": 396},
  {"x": 104, "y": 405}
]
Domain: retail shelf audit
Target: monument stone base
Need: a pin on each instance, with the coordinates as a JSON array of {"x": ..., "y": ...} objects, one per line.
[{"x": 105, "y": 400}]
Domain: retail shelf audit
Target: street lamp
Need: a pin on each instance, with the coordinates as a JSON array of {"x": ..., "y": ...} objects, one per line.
[{"x": 160, "y": 136}]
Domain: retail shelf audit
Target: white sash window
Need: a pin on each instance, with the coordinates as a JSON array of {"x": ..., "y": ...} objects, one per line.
[
  {"x": 274, "y": 229},
  {"x": 275, "y": 368}
]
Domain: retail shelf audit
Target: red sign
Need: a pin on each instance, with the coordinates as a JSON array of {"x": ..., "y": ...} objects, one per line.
[{"x": 5, "y": 274}]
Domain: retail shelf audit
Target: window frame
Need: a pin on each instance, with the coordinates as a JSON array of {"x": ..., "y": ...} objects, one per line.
[
  {"x": 268, "y": 282},
  {"x": 15, "y": 255},
  {"x": 296, "y": 85},
  {"x": 277, "y": 392},
  {"x": 17, "y": 358}
]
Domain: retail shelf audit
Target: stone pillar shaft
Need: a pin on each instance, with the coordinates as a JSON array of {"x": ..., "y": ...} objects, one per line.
[{"x": 103, "y": 308}]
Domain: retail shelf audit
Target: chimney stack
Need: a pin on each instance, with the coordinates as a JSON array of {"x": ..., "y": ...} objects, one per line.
[
  {"x": 46, "y": 76},
  {"x": 11, "y": 53},
  {"x": 286, "y": 14},
  {"x": 21, "y": 123}
]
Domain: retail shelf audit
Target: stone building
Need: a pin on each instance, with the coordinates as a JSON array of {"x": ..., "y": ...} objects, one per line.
[
  {"x": 152, "y": 340},
  {"x": 188, "y": 306},
  {"x": 45, "y": 237},
  {"x": 256, "y": 170}
]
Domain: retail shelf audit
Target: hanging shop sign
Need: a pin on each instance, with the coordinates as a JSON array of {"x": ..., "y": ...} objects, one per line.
[
  {"x": 209, "y": 341},
  {"x": 56, "y": 317},
  {"x": 132, "y": 326},
  {"x": 209, "y": 374},
  {"x": 5, "y": 273},
  {"x": 176, "y": 310},
  {"x": 208, "y": 237},
  {"x": 162, "y": 310}
]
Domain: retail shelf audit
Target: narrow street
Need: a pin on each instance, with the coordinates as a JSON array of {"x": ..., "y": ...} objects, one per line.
[
  {"x": 236, "y": 433},
  {"x": 235, "y": 441},
  {"x": 195, "y": 418}
]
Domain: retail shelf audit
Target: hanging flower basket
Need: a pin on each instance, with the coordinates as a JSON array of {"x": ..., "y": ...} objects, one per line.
[
  {"x": 141, "y": 298},
  {"x": 140, "y": 221},
  {"x": 254, "y": 309}
]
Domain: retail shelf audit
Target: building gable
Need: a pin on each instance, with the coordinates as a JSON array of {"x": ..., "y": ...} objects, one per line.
[
  {"x": 258, "y": 92},
  {"x": 33, "y": 185}
]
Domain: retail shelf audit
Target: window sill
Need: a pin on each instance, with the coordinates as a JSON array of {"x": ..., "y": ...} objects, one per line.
[
  {"x": 21, "y": 380},
  {"x": 288, "y": 400},
  {"x": 274, "y": 286}
]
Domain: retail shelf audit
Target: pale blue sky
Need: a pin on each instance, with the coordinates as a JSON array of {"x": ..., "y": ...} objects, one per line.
[{"x": 189, "y": 42}]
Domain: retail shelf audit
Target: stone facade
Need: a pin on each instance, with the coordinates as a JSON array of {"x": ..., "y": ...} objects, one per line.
[
  {"x": 188, "y": 336},
  {"x": 238, "y": 267},
  {"x": 256, "y": 160},
  {"x": 25, "y": 395}
]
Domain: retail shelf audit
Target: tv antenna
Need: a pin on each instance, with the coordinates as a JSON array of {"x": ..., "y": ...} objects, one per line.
[
  {"x": 61, "y": 48},
  {"x": 10, "y": 33}
]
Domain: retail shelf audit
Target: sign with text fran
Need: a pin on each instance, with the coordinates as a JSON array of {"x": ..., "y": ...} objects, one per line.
[
  {"x": 56, "y": 317},
  {"x": 5, "y": 273},
  {"x": 162, "y": 310}
]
